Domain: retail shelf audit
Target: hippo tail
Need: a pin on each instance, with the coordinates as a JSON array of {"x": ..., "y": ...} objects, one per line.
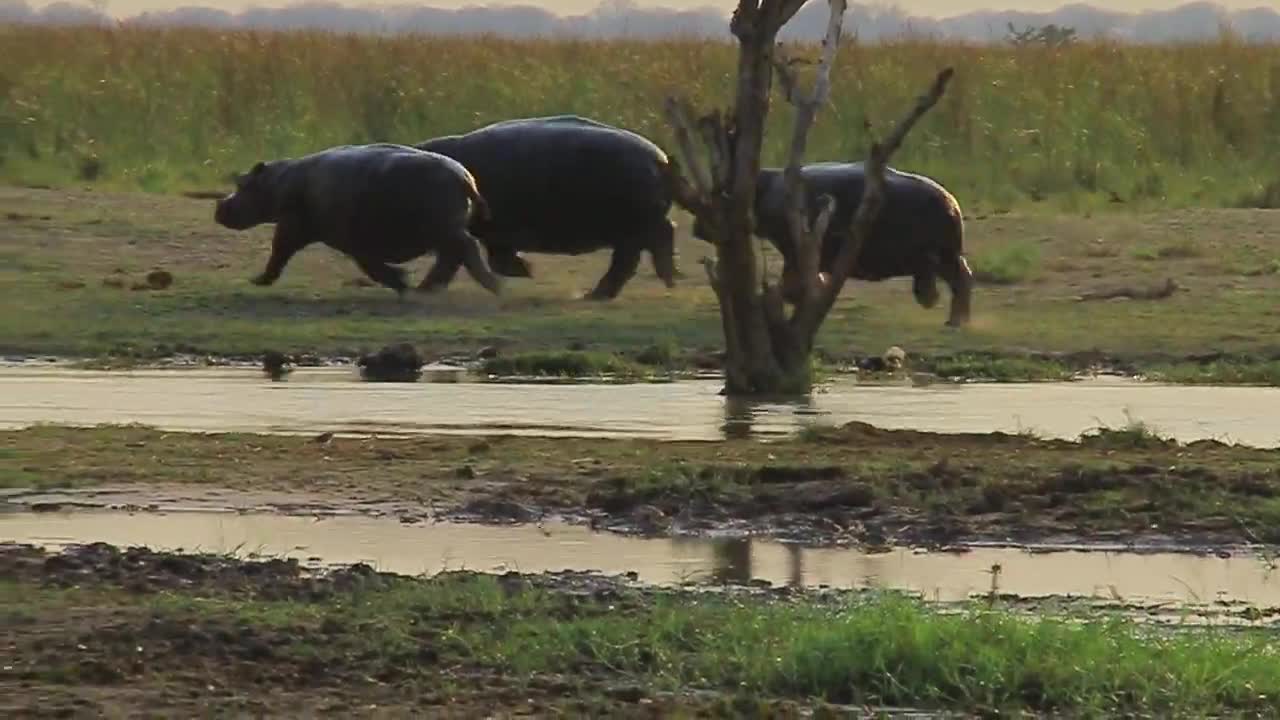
[
  {"x": 669, "y": 168},
  {"x": 956, "y": 239},
  {"x": 480, "y": 207}
]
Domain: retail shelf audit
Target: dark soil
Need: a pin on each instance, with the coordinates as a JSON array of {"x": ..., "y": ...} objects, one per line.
[
  {"x": 117, "y": 647},
  {"x": 856, "y": 484}
]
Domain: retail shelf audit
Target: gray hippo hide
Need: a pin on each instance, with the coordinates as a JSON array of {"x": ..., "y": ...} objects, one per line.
[
  {"x": 569, "y": 185},
  {"x": 919, "y": 232},
  {"x": 380, "y": 205}
]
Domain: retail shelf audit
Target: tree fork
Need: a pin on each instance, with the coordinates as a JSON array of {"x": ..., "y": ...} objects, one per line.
[{"x": 767, "y": 351}]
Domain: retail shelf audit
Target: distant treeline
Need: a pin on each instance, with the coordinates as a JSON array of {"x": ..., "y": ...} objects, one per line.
[{"x": 623, "y": 18}]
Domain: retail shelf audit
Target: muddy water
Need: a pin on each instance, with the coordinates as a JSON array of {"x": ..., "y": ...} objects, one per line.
[
  {"x": 334, "y": 400},
  {"x": 430, "y": 548}
]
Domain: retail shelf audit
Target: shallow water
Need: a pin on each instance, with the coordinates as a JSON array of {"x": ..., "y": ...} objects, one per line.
[
  {"x": 314, "y": 400},
  {"x": 429, "y": 548}
]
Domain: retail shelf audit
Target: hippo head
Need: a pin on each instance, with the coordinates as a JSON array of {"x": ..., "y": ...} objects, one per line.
[{"x": 252, "y": 203}]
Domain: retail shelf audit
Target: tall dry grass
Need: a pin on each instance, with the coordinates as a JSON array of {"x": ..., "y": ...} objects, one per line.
[{"x": 168, "y": 109}]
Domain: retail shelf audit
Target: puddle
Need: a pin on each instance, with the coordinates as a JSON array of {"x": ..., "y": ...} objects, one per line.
[
  {"x": 315, "y": 400},
  {"x": 430, "y": 548}
]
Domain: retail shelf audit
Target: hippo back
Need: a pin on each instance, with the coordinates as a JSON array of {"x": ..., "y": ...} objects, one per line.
[
  {"x": 910, "y": 200},
  {"x": 563, "y": 174},
  {"x": 379, "y": 189}
]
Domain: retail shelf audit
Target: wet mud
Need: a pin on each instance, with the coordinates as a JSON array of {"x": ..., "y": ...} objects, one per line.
[{"x": 159, "y": 634}]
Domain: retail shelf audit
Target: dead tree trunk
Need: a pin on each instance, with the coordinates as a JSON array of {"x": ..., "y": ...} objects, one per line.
[{"x": 767, "y": 350}]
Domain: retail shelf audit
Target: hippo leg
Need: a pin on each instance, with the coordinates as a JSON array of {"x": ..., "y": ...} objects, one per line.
[
  {"x": 441, "y": 273},
  {"x": 285, "y": 243},
  {"x": 473, "y": 260},
  {"x": 508, "y": 263},
  {"x": 958, "y": 276},
  {"x": 662, "y": 248},
  {"x": 383, "y": 274},
  {"x": 924, "y": 286},
  {"x": 622, "y": 267}
]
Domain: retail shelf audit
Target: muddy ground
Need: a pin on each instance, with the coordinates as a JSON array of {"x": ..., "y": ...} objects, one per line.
[
  {"x": 856, "y": 485},
  {"x": 125, "y": 633},
  {"x": 100, "y": 631}
]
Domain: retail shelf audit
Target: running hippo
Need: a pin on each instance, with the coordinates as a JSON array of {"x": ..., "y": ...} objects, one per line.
[
  {"x": 380, "y": 204},
  {"x": 919, "y": 232},
  {"x": 568, "y": 185}
]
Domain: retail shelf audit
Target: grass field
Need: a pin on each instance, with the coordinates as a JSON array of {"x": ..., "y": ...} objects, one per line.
[
  {"x": 1084, "y": 170},
  {"x": 163, "y": 110},
  {"x": 70, "y": 257}
]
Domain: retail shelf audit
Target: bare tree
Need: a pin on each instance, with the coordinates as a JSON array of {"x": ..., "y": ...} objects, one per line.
[{"x": 767, "y": 350}]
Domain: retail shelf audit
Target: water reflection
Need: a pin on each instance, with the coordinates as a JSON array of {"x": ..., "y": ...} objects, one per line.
[
  {"x": 741, "y": 415},
  {"x": 733, "y": 561},
  {"x": 430, "y": 548},
  {"x": 317, "y": 400}
]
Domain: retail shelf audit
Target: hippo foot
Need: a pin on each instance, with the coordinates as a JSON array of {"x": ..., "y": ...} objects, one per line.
[
  {"x": 597, "y": 296},
  {"x": 261, "y": 280}
]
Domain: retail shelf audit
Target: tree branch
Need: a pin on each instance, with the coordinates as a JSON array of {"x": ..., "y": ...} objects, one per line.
[
  {"x": 807, "y": 244},
  {"x": 678, "y": 117},
  {"x": 787, "y": 9},
  {"x": 693, "y": 195},
  {"x": 812, "y": 312},
  {"x": 717, "y": 141}
]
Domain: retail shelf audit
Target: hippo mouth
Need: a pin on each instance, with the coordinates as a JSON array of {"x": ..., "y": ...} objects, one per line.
[{"x": 224, "y": 215}]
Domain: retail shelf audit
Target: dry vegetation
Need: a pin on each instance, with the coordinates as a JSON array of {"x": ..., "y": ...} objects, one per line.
[{"x": 1082, "y": 126}]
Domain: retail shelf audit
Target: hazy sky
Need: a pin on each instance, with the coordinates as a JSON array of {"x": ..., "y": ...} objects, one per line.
[{"x": 919, "y": 7}]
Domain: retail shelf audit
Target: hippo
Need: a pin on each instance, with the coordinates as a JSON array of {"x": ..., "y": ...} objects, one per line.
[
  {"x": 918, "y": 233},
  {"x": 568, "y": 185},
  {"x": 380, "y": 204}
]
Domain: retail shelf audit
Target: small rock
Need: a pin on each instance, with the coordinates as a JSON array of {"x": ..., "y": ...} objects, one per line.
[
  {"x": 487, "y": 353},
  {"x": 159, "y": 279},
  {"x": 393, "y": 363},
  {"x": 466, "y": 472},
  {"x": 323, "y": 438},
  {"x": 626, "y": 693},
  {"x": 895, "y": 357}
]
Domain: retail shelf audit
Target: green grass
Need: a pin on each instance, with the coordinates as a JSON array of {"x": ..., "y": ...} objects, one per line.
[
  {"x": 877, "y": 649},
  {"x": 1259, "y": 372},
  {"x": 1080, "y": 127},
  {"x": 568, "y": 364},
  {"x": 1010, "y": 264},
  {"x": 998, "y": 369}
]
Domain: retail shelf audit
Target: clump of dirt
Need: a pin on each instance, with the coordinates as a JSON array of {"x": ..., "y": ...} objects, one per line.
[
  {"x": 142, "y": 570},
  {"x": 393, "y": 363},
  {"x": 155, "y": 280},
  {"x": 276, "y": 364}
]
